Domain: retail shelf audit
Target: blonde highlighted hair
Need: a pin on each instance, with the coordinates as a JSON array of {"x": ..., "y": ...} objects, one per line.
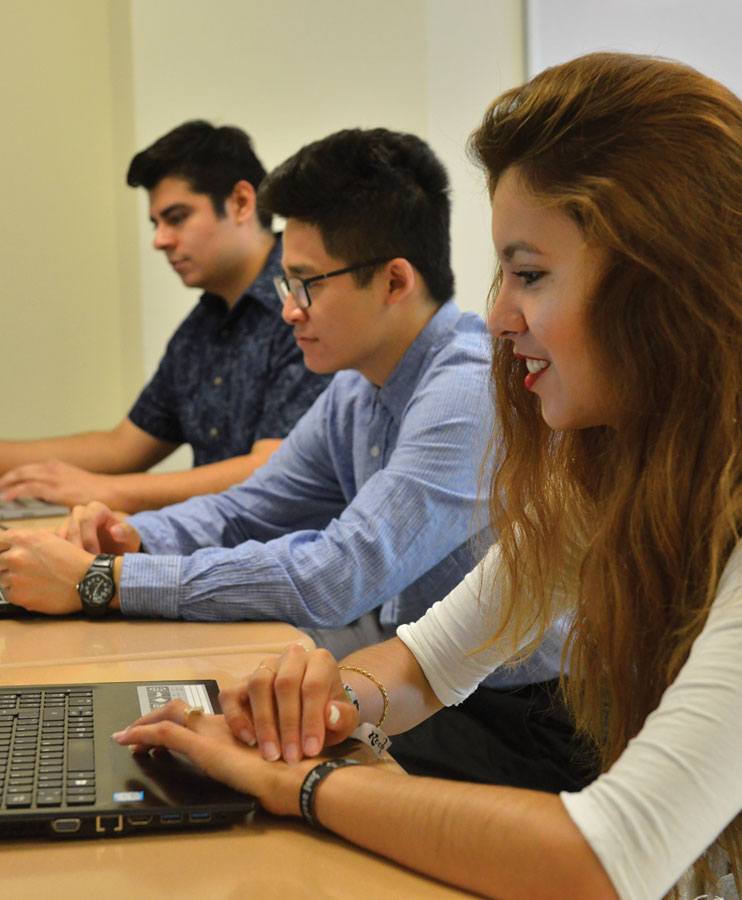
[{"x": 646, "y": 156}]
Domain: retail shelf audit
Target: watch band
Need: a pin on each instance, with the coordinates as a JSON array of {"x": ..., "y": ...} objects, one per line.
[{"x": 103, "y": 562}]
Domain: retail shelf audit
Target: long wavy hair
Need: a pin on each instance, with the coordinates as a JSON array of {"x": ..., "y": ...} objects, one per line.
[{"x": 634, "y": 524}]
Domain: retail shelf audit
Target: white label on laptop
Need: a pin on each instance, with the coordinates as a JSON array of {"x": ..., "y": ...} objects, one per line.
[
  {"x": 128, "y": 796},
  {"x": 153, "y": 696}
]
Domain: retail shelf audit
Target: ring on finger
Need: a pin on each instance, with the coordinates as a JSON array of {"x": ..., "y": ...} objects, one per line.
[{"x": 191, "y": 711}]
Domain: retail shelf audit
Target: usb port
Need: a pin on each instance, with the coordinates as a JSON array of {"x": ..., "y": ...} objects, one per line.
[
  {"x": 199, "y": 817},
  {"x": 171, "y": 819}
]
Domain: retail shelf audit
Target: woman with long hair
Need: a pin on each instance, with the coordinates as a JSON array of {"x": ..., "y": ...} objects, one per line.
[{"x": 616, "y": 187}]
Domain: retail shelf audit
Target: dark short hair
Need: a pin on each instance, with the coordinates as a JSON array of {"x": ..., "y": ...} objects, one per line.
[
  {"x": 372, "y": 194},
  {"x": 211, "y": 159}
]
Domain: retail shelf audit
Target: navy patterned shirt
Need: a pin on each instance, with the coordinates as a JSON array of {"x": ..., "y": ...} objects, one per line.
[{"x": 229, "y": 377}]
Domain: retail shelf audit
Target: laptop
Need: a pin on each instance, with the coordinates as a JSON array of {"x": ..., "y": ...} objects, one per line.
[
  {"x": 63, "y": 776},
  {"x": 29, "y": 508}
]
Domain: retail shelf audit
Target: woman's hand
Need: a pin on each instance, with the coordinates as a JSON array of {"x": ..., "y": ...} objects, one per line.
[
  {"x": 208, "y": 742},
  {"x": 291, "y": 706}
]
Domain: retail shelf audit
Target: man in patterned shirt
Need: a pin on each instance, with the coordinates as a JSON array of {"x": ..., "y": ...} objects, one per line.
[{"x": 232, "y": 382}]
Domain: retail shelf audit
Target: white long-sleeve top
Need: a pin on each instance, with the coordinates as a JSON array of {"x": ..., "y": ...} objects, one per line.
[{"x": 677, "y": 784}]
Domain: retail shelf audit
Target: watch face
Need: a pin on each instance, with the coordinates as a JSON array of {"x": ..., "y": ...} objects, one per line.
[{"x": 96, "y": 589}]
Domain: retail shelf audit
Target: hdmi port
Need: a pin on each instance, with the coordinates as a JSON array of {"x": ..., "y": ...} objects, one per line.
[
  {"x": 66, "y": 826},
  {"x": 139, "y": 821}
]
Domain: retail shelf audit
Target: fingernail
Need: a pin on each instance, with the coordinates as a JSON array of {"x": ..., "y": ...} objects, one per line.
[
  {"x": 334, "y": 715},
  {"x": 270, "y": 751},
  {"x": 291, "y": 753},
  {"x": 247, "y": 737},
  {"x": 311, "y": 746},
  {"x": 117, "y": 735}
]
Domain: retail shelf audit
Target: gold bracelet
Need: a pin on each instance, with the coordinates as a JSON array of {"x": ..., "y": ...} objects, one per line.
[{"x": 379, "y": 685}]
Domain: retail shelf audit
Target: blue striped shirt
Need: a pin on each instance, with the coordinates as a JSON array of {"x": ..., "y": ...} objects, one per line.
[{"x": 371, "y": 501}]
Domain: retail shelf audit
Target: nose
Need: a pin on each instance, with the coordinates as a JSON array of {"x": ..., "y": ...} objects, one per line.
[
  {"x": 163, "y": 237},
  {"x": 291, "y": 312},
  {"x": 505, "y": 318}
]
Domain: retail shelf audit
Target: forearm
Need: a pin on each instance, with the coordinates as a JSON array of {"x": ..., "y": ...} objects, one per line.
[
  {"x": 411, "y": 699},
  {"x": 95, "y": 451},
  {"x": 125, "y": 448},
  {"x": 140, "y": 491},
  {"x": 500, "y": 842}
]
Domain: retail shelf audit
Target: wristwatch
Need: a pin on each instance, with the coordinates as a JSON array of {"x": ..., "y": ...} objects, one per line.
[{"x": 97, "y": 587}]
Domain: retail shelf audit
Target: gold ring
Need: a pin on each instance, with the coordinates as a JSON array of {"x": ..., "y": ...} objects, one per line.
[{"x": 191, "y": 711}]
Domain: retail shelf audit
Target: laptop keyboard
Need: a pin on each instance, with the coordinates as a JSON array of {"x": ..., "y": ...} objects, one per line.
[
  {"x": 46, "y": 748},
  {"x": 29, "y": 508}
]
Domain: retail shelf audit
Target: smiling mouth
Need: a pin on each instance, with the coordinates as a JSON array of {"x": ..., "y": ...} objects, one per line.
[
  {"x": 536, "y": 365},
  {"x": 535, "y": 369}
]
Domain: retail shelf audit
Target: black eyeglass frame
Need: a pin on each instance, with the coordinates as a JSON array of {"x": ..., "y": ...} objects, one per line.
[{"x": 305, "y": 282}]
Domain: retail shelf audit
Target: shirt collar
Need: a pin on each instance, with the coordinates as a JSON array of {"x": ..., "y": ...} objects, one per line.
[
  {"x": 396, "y": 391},
  {"x": 262, "y": 289}
]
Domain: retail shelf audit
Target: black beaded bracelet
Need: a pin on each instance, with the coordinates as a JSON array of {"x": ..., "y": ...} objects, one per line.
[{"x": 312, "y": 781}]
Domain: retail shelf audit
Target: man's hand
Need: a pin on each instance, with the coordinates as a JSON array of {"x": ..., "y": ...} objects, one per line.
[
  {"x": 58, "y": 482},
  {"x": 40, "y": 571},
  {"x": 97, "y": 529},
  {"x": 292, "y": 705}
]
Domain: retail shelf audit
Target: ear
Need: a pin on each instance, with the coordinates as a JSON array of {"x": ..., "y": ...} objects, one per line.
[
  {"x": 401, "y": 280},
  {"x": 242, "y": 201}
]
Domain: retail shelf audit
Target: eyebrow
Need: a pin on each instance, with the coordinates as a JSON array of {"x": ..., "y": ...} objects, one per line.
[
  {"x": 169, "y": 210},
  {"x": 299, "y": 271},
  {"x": 509, "y": 252}
]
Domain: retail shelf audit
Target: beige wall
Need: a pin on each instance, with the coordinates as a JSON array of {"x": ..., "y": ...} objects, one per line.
[
  {"x": 118, "y": 73},
  {"x": 61, "y": 309}
]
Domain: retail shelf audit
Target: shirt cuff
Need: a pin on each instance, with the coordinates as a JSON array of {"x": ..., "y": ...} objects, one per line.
[{"x": 150, "y": 585}]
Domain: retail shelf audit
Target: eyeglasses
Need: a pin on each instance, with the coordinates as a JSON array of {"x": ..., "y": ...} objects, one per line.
[{"x": 298, "y": 288}]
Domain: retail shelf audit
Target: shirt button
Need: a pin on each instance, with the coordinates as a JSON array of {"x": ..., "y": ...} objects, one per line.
[
  {"x": 214, "y": 432},
  {"x": 374, "y": 451},
  {"x": 218, "y": 380}
]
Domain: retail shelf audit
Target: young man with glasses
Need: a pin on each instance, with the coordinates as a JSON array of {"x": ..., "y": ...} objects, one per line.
[
  {"x": 368, "y": 510},
  {"x": 232, "y": 382}
]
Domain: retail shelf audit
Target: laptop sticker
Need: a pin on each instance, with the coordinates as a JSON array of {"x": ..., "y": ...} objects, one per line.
[
  {"x": 128, "y": 796},
  {"x": 153, "y": 696}
]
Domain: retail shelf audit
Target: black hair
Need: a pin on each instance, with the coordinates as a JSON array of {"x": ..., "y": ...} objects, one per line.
[
  {"x": 211, "y": 159},
  {"x": 373, "y": 194}
]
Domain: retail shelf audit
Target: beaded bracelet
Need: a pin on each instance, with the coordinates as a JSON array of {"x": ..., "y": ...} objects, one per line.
[
  {"x": 312, "y": 781},
  {"x": 379, "y": 685}
]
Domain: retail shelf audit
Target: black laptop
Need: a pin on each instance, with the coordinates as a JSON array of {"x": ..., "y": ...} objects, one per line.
[{"x": 62, "y": 774}]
